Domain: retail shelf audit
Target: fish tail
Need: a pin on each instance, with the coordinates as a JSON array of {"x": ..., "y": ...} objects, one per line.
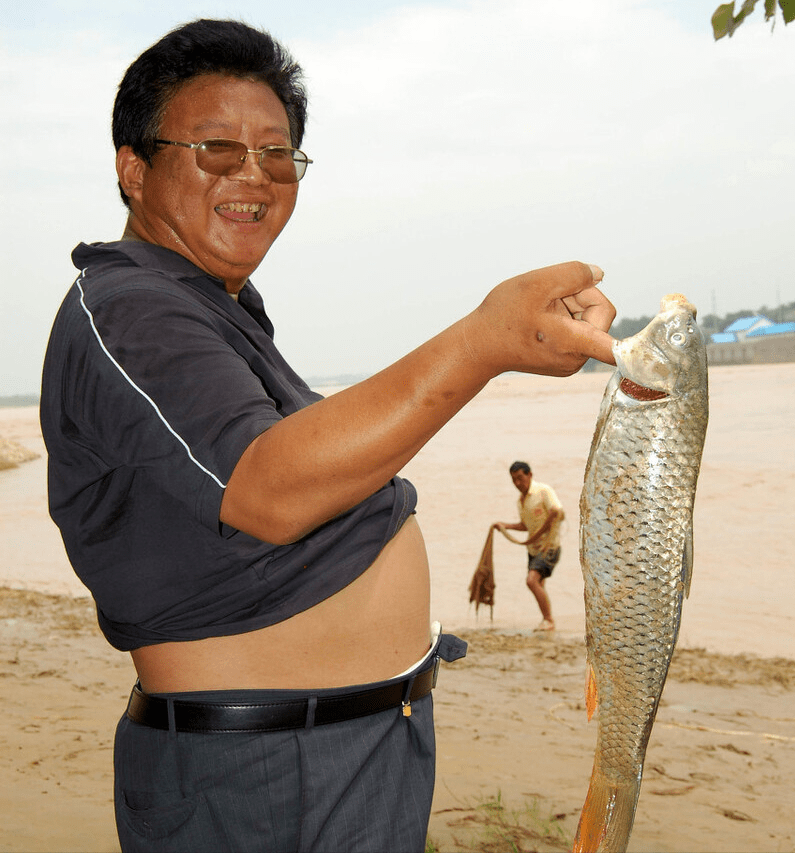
[{"x": 607, "y": 816}]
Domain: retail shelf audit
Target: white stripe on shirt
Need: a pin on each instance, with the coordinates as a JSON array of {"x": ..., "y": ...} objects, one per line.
[{"x": 137, "y": 388}]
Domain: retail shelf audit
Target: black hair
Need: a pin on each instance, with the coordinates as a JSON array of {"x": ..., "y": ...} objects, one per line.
[
  {"x": 202, "y": 47},
  {"x": 520, "y": 466}
]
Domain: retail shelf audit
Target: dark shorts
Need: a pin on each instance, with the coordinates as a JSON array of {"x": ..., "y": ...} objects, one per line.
[
  {"x": 544, "y": 562},
  {"x": 359, "y": 785}
]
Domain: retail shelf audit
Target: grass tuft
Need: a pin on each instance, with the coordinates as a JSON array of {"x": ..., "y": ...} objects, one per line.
[{"x": 490, "y": 826}]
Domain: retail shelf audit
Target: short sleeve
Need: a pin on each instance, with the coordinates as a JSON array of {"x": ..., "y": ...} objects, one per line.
[{"x": 164, "y": 391}]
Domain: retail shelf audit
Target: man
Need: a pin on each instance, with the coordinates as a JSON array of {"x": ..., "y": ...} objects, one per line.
[
  {"x": 540, "y": 514},
  {"x": 249, "y": 542}
]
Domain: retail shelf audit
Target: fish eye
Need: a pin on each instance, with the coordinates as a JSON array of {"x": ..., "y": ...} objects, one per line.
[{"x": 677, "y": 339}]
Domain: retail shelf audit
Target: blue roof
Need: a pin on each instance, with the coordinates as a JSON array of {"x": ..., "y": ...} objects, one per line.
[
  {"x": 744, "y": 323},
  {"x": 723, "y": 338},
  {"x": 775, "y": 329}
]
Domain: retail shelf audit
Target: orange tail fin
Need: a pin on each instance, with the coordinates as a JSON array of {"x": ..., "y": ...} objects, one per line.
[{"x": 607, "y": 816}]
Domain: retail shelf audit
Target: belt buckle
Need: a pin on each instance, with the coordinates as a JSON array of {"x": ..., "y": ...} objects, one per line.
[{"x": 436, "y": 665}]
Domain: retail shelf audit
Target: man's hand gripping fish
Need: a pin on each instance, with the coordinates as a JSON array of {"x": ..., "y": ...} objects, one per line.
[{"x": 636, "y": 550}]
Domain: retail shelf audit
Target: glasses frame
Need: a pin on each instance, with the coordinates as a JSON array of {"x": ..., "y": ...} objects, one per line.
[{"x": 260, "y": 152}]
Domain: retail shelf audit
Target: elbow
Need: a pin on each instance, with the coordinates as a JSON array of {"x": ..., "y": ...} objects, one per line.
[
  {"x": 277, "y": 526},
  {"x": 277, "y": 530},
  {"x": 286, "y": 531}
]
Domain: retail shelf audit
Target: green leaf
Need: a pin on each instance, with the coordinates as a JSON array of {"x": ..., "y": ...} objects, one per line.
[
  {"x": 745, "y": 11},
  {"x": 723, "y": 21}
]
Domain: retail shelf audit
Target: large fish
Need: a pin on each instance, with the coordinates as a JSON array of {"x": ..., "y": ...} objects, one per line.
[{"x": 636, "y": 550}]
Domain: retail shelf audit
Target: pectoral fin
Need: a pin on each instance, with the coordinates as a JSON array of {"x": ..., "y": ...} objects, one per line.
[{"x": 687, "y": 560}]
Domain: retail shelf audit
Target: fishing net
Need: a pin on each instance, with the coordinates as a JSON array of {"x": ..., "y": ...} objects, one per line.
[{"x": 481, "y": 587}]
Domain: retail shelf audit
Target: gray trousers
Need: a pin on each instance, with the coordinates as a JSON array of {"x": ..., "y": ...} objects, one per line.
[{"x": 360, "y": 786}]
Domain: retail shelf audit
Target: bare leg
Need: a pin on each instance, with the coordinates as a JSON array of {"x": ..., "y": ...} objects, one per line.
[{"x": 535, "y": 583}]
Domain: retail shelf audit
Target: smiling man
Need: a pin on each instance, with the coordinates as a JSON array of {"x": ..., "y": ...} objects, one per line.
[
  {"x": 247, "y": 541},
  {"x": 223, "y": 220}
]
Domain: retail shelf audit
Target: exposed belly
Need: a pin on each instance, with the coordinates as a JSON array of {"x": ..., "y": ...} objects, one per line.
[{"x": 371, "y": 630}]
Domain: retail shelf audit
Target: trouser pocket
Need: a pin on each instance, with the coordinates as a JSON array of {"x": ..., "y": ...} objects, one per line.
[
  {"x": 153, "y": 815},
  {"x": 151, "y": 804}
]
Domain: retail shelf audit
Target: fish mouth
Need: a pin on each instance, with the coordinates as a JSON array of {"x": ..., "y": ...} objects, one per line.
[
  {"x": 639, "y": 392},
  {"x": 627, "y": 366}
]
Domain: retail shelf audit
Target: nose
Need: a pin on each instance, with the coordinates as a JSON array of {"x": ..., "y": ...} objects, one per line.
[{"x": 252, "y": 172}]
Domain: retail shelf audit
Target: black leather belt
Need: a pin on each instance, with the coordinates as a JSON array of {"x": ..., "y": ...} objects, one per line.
[{"x": 280, "y": 715}]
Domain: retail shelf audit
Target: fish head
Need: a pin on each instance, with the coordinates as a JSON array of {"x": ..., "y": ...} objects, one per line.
[{"x": 666, "y": 358}]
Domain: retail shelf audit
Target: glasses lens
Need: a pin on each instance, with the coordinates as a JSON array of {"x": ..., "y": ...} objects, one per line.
[
  {"x": 300, "y": 161},
  {"x": 220, "y": 156},
  {"x": 284, "y": 165}
]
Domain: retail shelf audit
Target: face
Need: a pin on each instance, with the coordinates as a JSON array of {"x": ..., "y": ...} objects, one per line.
[
  {"x": 224, "y": 225},
  {"x": 522, "y": 481}
]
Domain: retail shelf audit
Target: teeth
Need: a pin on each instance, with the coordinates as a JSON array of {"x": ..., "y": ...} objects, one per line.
[{"x": 240, "y": 207}]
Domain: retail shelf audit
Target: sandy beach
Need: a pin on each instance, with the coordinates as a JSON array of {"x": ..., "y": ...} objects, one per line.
[{"x": 515, "y": 750}]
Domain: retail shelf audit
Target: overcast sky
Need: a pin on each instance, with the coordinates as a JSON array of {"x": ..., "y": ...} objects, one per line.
[{"x": 456, "y": 143}]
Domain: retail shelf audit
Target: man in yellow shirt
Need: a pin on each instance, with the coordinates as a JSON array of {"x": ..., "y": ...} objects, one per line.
[{"x": 540, "y": 514}]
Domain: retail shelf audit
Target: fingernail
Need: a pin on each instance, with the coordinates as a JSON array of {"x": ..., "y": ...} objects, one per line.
[{"x": 597, "y": 272}]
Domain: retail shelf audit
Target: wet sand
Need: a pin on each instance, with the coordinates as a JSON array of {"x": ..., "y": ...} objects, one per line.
[{"x": 512, "y": 733}]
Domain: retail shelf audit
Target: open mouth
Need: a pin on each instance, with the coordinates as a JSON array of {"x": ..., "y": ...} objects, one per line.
[
  {"x": 241, "y": 212},
  {"x": 639, "y": 392}
]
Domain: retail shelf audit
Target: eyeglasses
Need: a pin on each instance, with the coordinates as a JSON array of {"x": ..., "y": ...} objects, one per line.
[{"x": 226, "y": 157}]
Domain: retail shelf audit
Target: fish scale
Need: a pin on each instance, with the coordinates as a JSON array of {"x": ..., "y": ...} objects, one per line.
[{"x": 636, "y": 552}]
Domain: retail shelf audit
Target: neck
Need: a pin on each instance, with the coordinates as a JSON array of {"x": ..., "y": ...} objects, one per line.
[{"x": 129, "y": 233}]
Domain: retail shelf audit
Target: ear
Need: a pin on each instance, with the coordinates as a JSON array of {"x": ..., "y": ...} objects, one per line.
[{"x": 130, "y": 169}]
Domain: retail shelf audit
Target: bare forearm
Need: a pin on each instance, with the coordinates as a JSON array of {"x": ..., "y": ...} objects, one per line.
[
  {"x": 326, "y": 458},
  {"x": 509, "y": 526}
]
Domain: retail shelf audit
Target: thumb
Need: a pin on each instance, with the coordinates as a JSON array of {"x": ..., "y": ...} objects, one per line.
[
  {"x": 582, "y": 340},
  {"x": 593, "y": 342}
]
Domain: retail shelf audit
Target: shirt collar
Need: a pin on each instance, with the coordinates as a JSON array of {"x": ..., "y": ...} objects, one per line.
[
  {"x": 152, "y": 256},
  {"x": 144, "y": 254}
]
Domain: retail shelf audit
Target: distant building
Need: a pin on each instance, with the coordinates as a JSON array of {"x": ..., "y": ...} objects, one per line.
[
  {"x": 753, "y": 340},
  {"x": 773, "y": 329},
  {"x": 744, "y": 326}
]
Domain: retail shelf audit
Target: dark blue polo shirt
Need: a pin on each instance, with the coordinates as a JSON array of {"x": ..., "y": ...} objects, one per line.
[{"x": 155, "y": 382}]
